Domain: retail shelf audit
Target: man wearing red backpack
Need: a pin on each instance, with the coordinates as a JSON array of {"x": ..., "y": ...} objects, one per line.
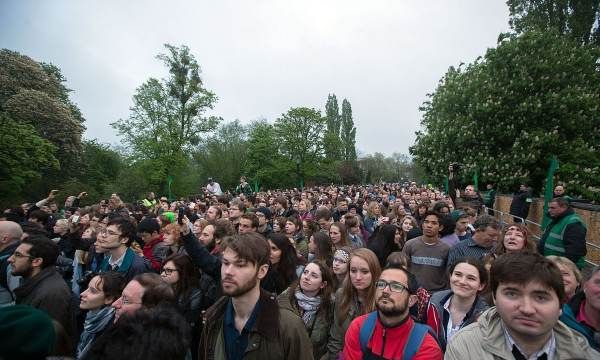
[{"x": 390, "y": 332}]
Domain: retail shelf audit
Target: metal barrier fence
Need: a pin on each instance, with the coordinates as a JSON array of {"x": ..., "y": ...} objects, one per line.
[{"x": 535, "y": 228}]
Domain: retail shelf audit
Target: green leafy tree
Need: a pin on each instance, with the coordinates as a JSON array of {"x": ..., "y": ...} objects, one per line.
[
  {"x": 299, "y": 133},
  {"x": 24, "y": 156},
  {"x": 348, "y": 133},
  {"x": 53, "y": 121},
  {"x": 505, "y": 115},
  {"x": 332, "y": 143},
  {"x": 33, "y": 95},
  {"x": 578, "y": 19},
  {"x": 223, "y": 155},
  {"x": 263, "y": 162},
  {"x": 167, "y": 118}
]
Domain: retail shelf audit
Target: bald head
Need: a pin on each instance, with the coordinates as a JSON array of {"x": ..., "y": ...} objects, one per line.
[{"x": 10, "y": 232}]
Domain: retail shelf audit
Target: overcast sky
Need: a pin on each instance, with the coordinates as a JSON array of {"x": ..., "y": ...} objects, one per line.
[{"x": 261, "y": 57}]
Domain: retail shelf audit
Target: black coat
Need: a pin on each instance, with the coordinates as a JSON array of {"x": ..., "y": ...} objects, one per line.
[{"x": 519, "y": 205}]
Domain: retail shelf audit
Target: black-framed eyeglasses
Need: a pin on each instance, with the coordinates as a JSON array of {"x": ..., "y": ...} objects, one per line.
[
  {"x": 394, "y": 286},
  {"x": 168, "y": 271}
]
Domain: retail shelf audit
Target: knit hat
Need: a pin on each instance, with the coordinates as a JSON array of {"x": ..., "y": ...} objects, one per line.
[
  {"x": 457, "y": 214},
  {"x": 27, "y": 333},
  {"x": 264, "y": 211}
]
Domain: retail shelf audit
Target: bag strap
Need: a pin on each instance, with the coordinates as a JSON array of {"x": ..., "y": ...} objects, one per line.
[
  {"x": 415, "y": 339},
  {"x": 366, "y": 330}
]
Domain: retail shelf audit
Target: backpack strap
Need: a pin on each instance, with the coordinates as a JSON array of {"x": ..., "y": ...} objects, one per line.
[
  {"x": 415, "y": 339},
  {"x": 366, "y": 330}
]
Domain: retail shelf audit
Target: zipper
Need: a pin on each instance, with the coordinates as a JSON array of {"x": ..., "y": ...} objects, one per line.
[{"x": 383, "y": 344}]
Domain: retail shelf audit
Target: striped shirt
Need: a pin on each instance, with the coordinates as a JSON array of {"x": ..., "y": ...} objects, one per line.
[{"x": 467, "y": 248}]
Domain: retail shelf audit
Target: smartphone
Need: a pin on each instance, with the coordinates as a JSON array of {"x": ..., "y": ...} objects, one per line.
[{"x": 180, "y": 215}]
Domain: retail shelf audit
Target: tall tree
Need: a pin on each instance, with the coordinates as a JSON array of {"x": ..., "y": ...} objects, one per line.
[
  {"x": 504, "y": 116},
  {"x": 223, "y": 155},
  {"x": 34, "y": 94},
  {"x": 579, "y": 19},
  {"x": 348, "y": 132},
  {"x": 263, "y": 162},
  {"x": 167, "y": 118},
  {"x": 300, "y": 135},
  {"x": 24, "y": 156},
  {"x": 332, "y": 143}
]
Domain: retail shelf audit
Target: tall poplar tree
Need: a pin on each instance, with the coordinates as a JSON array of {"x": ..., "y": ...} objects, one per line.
[
  {"x": 331, "y": 140},
  {"x": 348, "y": 132}
]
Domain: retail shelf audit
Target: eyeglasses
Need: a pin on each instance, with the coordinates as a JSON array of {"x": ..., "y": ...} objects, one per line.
[
  {"x": 105, "y": 231},
  {"x": 126, "y": 301},
  {"x": 394, "y": 286},
  {"x": 17, "y": 255},
  {"x": 168, "y": 271}
]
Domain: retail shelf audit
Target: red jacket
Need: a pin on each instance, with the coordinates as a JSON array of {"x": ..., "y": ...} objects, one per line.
[
  {"x": 155, "y": 252},
  {"x": 395, "y": 340}
]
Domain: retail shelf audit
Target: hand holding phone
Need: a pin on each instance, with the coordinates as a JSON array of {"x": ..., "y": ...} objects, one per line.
[{"x": 181, "y": 215}]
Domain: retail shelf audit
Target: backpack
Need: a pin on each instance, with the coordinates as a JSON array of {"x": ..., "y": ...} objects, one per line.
[{"x": 415, "y": 338}]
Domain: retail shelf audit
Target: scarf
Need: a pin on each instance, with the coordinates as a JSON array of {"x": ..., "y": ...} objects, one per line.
[
  {"x": 95, "y": 322},
  {"x": 310, "y": 305}
]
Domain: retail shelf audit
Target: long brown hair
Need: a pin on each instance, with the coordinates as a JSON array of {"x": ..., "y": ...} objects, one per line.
[
  {"x": 326, "y": 292},
  {"x": 349, "y": 292},
  {"x": 344, "y": 241}
]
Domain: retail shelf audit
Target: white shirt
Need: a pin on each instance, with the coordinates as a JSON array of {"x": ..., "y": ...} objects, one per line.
[
  {"x": 118, "y": 262},
  {"x": 215, "y": 188},
  {"x": 549, "y": 348},
  {"x": 451, "y": 329}
]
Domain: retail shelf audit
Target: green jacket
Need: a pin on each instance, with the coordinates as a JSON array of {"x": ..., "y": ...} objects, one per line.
[
  {"x": 485, "y": 340},
  {"x": 338, "y": 331},
  {"x": 277, "y": 334},
  {"x": 318, "y": 331},
  {"x": 565, "y": 236}
]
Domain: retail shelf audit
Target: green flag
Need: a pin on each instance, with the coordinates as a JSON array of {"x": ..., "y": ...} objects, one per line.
[
  {"x": 169, "y": 182},
  {"x": 476, "y": 180},
  {"x": 446, "y": 186},
  {"x": 549, "y": 189}
]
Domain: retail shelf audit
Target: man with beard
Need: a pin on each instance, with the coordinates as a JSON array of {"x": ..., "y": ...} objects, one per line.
[
  {"x": 390, "y": 332},
  {"x": 248, "y": 322},
  {"x": 43, "y": 287}
]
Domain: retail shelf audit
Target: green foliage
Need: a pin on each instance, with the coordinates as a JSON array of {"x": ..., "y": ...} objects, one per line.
[
  {"x": 300, "y": 137},
  {"x": 24, "y": 156},
  {"x": 348, "y": 134},
  {"x": 34, "y": 98},
  {"x": 263, "y": 160},
  {"x": 379, "y": 168},
  {"x": 223, "y": 154},
  {"x": 580, "y": 20},
  {"x": 167, "y": 119},
  {"x": 505, "y": 115},
  {"x": 18, "y": 72},
  {"x": 53, "y": 121},
  {"x": 332, "y": 144}
]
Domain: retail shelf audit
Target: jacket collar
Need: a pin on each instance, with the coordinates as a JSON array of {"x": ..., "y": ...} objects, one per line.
[
  {"x": 567, "y": 212},
  {"x": 569, "y": 343},
  {"x": 267, "y": 320},
  {"x": 29, "y": 285},
  {"x": 10, "y": 249}
]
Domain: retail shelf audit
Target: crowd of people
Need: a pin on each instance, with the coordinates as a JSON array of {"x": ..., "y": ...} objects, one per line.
[{"x": 384, "y": 271}]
